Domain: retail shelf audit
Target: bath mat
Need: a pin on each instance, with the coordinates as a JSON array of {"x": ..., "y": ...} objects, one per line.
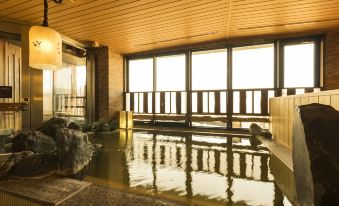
[{"x": 46, "y": 191}]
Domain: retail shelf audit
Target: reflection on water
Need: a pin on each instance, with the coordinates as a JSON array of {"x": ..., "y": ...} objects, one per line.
[{"x": 192, "y": 169}]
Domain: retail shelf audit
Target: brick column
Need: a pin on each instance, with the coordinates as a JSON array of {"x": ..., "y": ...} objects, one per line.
[
  {"x": 331, "y": 61},
  {"x": 109, "y": 83}
]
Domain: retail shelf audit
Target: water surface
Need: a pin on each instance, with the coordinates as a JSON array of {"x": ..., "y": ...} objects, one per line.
[{"x": 190, "y": 168}]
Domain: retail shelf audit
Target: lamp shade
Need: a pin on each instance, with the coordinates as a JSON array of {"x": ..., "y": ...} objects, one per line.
[{"x": 45, "y": 48}]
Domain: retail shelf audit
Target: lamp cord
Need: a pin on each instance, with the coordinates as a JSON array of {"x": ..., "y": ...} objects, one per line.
[{"x": 45, "y": 23}]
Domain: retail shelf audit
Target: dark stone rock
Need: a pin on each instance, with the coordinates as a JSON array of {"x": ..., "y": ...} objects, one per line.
[
  {"x": 34, "y": 141},
  {"x": 6, "y": 132},
  {"x": 6, "y": 166},
  {"x": 8, "y": 147},
  {"x": 52, "y": 126},
  {"x": 256, "y": 130},
  {"x": 28, "y": 164},
  {"x": 9, "y": 139},
  {"x": 74, "y": 151},
  {"x": 97, "y": 127},
  {"x": 35, "y": 165},
  {"x": 75, "y": 126},
  {"x": 51, "y": 148},
  {"x": 316, "y": 155},
  {"x": 19, "y": 142}
]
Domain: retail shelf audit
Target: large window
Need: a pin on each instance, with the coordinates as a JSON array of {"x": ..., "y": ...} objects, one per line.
[
  {"x": 64, "y": 90},
  {"x": 141, "y": 75},
  {"x": 299, "y": 64},
  {"x": 171, "y": 73},
  {"x": 253, "y": 66},
  {"x": 209, "y": 70},
  {"x": 213, "y": 86}
]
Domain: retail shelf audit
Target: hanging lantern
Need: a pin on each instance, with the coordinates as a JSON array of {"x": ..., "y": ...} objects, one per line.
[{"x": 45, "y": 48}]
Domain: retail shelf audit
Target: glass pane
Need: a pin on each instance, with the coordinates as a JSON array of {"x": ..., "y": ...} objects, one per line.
[
  {"x": 194, "y": 102},
  {"x": 223, "y": 105},
  {"x": 253, "y": 67},
  {"x": 300, "y": 91},
  {"x": 157, "y": 102},
  {"x": 173, "y": 103},
  {"x": 171, "y": 73},
  {"x": 140, "y": 75},
  {"x": 209, "y": 70},
  {"x": 211, "y": 102},
  {"x": 249, "y": 102},
  {"x": 48, "y": 92},
  {"x": 136, "y": 102},
  {"x": 141, "y": 103},
  {"x": 167, "y": 102},
  {"x": 183, "y": 102},
  {"x": 236, "y": 102},
  {"x": 70, "y": 88},
  {"x": 257, "y": 102},
  {"x": 299, "y": 62},
  {"x": 149, "y": 97},
  {"x": 205, "y": 102},
  {"x": 128, "y": 102}
]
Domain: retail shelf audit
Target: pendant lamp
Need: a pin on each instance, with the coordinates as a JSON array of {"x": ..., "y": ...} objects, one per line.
[{"x": 45, "y": 45}]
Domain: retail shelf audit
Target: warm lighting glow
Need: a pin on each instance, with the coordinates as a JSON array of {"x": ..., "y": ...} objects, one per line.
[{"x": 45, "y": 48}]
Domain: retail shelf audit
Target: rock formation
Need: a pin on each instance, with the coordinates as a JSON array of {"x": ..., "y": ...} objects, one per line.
[
  {"x": 316, "y": 155},
  {"x": 256, "y": 130},
  {"x": 6, "y": 139},
  {"x": 55, "y": 147}
]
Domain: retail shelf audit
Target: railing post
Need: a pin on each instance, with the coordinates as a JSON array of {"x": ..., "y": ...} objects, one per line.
[
  {"x": 229, "y": 88},
  {"x": 189, "y": 88}
]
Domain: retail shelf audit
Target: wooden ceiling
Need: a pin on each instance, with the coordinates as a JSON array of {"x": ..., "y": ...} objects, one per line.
[{"x": 130, "y": 26}]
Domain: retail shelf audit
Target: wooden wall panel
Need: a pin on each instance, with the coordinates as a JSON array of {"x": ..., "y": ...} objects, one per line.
[
  {"x": 335, "y": 101},
  {"x": 10, "y": 75},
  {"x": 283, "y": 110},
  {"x": 326, "y": 99}
]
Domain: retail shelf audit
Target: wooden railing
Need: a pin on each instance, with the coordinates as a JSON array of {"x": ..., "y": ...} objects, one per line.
[
  {"x": 283, "y": 109},
  {"x": 70, "y": 106},
  {"x": 225, "y": 106}
]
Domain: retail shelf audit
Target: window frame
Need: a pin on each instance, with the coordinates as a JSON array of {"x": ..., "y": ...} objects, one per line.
[
  {"x": 254, "y": 44},
  {"x": 317, "y": 40},
  {"x": 278, "y": 85}
]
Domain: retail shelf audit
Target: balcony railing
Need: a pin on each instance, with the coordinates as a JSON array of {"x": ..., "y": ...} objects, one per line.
[
  {"x": 248, "y": 105},
  {"x": 70, "y": 106}
]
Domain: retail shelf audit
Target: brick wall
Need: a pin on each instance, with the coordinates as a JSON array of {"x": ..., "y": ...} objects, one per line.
[
  {"x": 109, "y": 83},
  {"x": 331, "y": 61},
  {"x": 116, "y": 77}
]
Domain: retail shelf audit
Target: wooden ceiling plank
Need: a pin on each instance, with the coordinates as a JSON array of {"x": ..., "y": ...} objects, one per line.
[
  {"x": 156, "y": 23},
  {"x": 172, "y": 24},
  {"x": 138, "y": 15},
  {"x": 14, "y": 11},
  {"x": 288, "y": 17},
  {"x": 333, "y": 23},
  {"x": 145, "y": 42},
  {"x": 110, "y": 14},
  {"x": 208, "y": 25},
  {"x": 280, "y": 8},
  {"x": 36, "y": 14},
  {"x": 166, "y": 44},
  {"x": 278, "y": 3},
  {"x": 61, "y": 13},
  {"x": 11, "y": 4}
]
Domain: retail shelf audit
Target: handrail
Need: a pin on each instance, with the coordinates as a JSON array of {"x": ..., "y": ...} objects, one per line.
[{"x": 252, "y": 102}]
